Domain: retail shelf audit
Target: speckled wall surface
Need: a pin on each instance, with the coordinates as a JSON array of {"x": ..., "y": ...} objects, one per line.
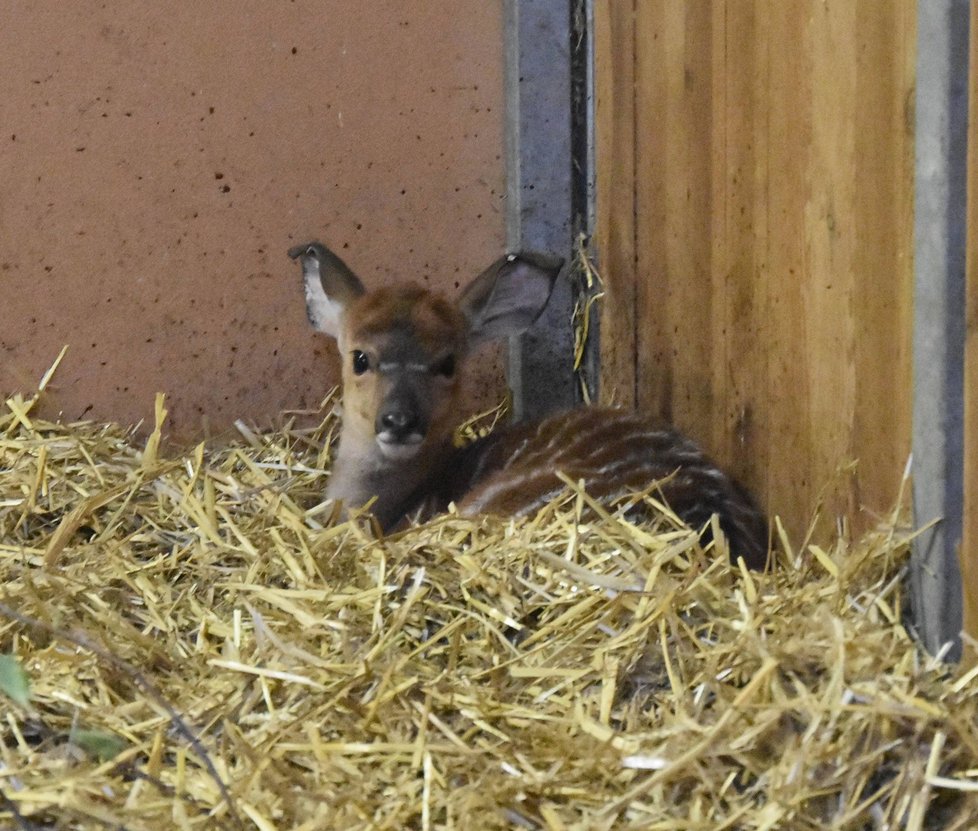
[{"x": 158, "y": 159}]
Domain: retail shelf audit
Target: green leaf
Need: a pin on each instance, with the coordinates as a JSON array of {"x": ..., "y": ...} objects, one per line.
[
  {"x": 103, "y": 746},
  {"x": 14, "y": 682}
]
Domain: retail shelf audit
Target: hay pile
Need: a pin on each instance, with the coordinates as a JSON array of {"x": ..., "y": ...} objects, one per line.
[{"x": 205, "y": 650}]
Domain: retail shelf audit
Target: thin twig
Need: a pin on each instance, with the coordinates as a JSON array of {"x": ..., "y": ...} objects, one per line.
[{"x": 141, "y": 681}]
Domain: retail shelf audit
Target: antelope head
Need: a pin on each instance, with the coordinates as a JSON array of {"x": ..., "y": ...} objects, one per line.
[{"x": 401, "y": 348}]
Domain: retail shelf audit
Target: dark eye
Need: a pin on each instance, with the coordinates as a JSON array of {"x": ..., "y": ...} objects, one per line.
[
  {"x": 446, "y": 367},
  {"x": 361, "y": 363}
]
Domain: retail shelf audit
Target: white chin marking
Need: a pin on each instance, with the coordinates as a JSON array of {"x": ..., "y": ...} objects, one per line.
[{"x": 399, "y": 451}]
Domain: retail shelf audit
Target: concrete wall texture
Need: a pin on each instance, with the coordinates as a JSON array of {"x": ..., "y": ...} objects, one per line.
[{"x": 158, "y": 159}]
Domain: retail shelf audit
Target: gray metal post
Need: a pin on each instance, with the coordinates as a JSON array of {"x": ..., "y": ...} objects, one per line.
[
  {"x": 539, "y": 210},
  {"x": 939, "y": 265}
]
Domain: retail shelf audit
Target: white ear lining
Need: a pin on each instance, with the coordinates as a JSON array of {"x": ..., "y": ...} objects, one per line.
[{"x": 325, "y": 314}]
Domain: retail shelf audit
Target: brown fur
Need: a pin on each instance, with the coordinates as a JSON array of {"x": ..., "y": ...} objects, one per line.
[{"x": 401, "y": 410}]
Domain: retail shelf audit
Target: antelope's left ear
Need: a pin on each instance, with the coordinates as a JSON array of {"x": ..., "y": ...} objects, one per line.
[
  {"x": 509, "y": 295},
  {"x": 330, "y": 285}
]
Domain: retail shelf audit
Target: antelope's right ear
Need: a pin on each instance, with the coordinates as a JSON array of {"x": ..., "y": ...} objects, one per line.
[
  {"x": 330, "y": 285},
  {"x": 509, "y": 295}
]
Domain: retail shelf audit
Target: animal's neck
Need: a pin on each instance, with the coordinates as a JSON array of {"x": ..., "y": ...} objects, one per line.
[{"x": 361, "y": 472}]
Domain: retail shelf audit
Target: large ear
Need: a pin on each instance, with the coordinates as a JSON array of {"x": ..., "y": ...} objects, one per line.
[
  {"x": 509, "y": 295},
  {"x": 330, "y": 285}
]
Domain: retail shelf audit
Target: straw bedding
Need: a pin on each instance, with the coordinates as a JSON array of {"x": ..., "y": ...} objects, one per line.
[{"x": 205, "y": 649}]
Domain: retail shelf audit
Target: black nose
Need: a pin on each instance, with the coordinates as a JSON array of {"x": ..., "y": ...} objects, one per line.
[{"x": 398, "y": 421}]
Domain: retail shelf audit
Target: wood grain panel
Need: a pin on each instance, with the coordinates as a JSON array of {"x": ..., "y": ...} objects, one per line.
[
  {"x": 673, "y": 211},
  {"x": 737, "y": 267},
  {"x": 883, "y": 213},
  {"x": 772, "y": 223},
  {"x": 614, "y": 39}
]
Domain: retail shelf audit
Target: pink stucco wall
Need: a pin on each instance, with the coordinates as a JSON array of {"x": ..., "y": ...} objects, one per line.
[{"x": 156, "y": 161}]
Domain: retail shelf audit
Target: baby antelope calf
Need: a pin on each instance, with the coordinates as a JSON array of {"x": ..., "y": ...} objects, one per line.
[{"x": 402, "y": 346}]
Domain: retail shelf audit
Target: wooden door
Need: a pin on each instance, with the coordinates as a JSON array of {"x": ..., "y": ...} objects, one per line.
[{"x": 754, "y": 225}]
